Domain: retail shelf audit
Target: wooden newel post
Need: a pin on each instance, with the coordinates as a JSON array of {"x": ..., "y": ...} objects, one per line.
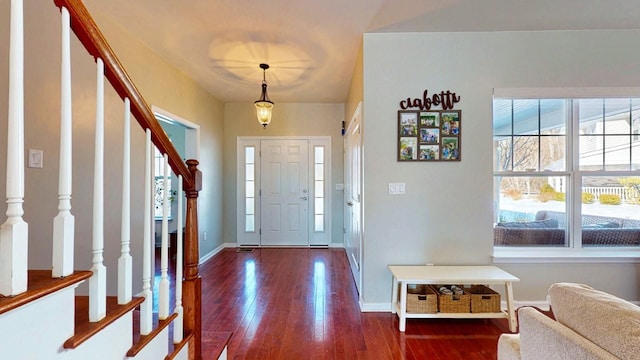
[{"x": 192, "y": 284}]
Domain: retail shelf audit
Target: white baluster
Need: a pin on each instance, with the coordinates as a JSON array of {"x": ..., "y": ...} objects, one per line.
[
  {"x": 64, "y": 222},
  {"x": 146, "y": 308},
  {"x": 163, "y": 305},
  {"x": 98, "y": 282},
  {"x": 14, "y": 233},
  {"x": 177, "y": 325},
  {"x": 125, "y": 262}
]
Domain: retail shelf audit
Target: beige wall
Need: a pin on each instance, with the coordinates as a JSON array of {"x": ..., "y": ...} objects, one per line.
[
  {"x": 446, "y": 215},
  {"x": 169, "y": 89},
  {"x": 356, "y": 90},
  {"x": 160, "y": 83},
  {"x": 288, "y": 120}
]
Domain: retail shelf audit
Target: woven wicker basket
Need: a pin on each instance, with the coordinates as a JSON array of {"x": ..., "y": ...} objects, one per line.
[
  {"x": 453, "y": 303},
  {"x": 483, "y": 299},
  {"x": 421, "y": 299}
]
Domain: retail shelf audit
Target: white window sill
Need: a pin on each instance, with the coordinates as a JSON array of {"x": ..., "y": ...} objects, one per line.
[{"x": 520, "y": 255}]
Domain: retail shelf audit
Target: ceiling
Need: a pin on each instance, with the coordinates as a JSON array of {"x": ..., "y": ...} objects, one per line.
[{"x": 312, "y": 45}]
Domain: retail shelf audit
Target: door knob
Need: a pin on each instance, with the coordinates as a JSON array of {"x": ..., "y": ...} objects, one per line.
[
  {"x": 350, "y": 203},
  {"x": 303, "y": 197}
]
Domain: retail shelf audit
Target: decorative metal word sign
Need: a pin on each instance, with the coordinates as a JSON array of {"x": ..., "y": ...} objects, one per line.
[
  {"x": 446, "y": 98},
  {"x": 429, "y": 135}
]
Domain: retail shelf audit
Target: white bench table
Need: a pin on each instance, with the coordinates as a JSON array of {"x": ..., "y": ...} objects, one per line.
[{"x": 458, "y": 275}]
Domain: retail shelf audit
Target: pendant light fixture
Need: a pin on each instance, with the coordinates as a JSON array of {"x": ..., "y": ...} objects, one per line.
[{"x": 264, "y": 105}]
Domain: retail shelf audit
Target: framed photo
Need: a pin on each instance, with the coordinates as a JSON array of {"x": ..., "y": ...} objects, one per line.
[
  {"x": 408, "y": 148},
  {"x": 451, "y": 123},
  {"x": 429, "y": 135},
  {"x": 450, "y": 148},
  {"x": 408, "y": 123},
  {"x": 430, "y": 119},
  {"x": 429, "y": 152}
]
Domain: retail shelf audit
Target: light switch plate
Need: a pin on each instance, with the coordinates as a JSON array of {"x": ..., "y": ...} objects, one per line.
[
  {"x": 35, "y": 158},
  {"x": 396, "y": 188}
]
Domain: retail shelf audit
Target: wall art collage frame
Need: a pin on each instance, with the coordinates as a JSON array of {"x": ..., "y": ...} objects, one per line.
[{"x": 433, "y": 135}]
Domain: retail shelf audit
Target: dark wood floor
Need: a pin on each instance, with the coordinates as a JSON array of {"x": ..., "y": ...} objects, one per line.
[{"x": 303, "y": 304}]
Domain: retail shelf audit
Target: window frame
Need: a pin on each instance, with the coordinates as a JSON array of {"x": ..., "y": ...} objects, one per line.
[{"x": 573, "y": 251}]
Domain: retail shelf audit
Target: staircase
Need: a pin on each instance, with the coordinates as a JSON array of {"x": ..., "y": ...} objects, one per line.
[{"x": 63, "y": 313}]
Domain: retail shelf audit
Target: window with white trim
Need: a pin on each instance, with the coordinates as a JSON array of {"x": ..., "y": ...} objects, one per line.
[
  {"x": 158, "y": 167},
  {"x": 566, "y": 172},
  {"x": 318, "y": 193},
  {"x": 250, "y": 186}
]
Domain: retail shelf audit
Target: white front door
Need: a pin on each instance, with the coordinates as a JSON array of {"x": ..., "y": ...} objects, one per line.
[
  {"x": 352, "y": 196},
  {"x": 284, "y": 167}
]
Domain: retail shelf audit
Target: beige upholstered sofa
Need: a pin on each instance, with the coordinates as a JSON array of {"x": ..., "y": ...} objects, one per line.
[{"x": 590, "y": 324}]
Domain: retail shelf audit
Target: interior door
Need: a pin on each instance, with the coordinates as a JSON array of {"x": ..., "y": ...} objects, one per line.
[
  {"x": 284, "y": 195},
  {"x": 353, "y": 197}
]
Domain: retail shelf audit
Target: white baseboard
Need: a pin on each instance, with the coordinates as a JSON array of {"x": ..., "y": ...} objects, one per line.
[
  {"x": 375, "y": 307},
  {"x": 336, "y": 245},
  {"x": 213, "y": 252}
]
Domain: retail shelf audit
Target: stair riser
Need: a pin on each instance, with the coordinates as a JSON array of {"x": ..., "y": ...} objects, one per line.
[{"x": 37, "y": 330}]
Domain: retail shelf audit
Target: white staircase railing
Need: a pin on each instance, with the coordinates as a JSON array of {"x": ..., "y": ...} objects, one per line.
[
  {"x": 14, "y": 232},
  {"x": 125, "y": 265},
  {"x": 64, "y": 222},
  {"x": 98, "y": 282}
]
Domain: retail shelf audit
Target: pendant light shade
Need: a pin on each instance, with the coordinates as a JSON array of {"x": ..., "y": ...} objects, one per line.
[{"x": 264, "y": 105}]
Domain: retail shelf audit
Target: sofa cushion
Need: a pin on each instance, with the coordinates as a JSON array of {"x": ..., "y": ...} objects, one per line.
[{"x": 606, "y": 320}]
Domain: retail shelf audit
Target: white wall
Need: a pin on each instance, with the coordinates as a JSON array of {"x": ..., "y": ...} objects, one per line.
[
  {"x": 446, "y": 215},
  {"x": 288, "y": 120}
]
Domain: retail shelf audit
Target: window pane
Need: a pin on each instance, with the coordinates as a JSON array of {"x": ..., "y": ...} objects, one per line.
[
  {"x": 502, "y": 112},
  {"x": 319, "y": 172},
  {"x": 553, "y": 116},
  {"x": 249, "y": 190},
  {"x": 610, "y": 211},
  {"x": 617, "y": 119},
  {"x": 250, "y": 206},
  {"x": 249, "y": 172},
  {"x": 319, "y": 154},
  {"x": 319, "y": 189},
  {"x": 553, "y": 153},
  {"x": 502, "y": 153},
  {"x": 616, "y": 152},
  {"x": 591, "y": 152},
  {"x": 526, "y": 117},
  {"x": 319, "y": 206},
  {"x": 318, "y": 223},
  {"x": 249, "y": 223},
  {"x": 531, "y": 211},
  {"x": 249, "y": 155},
  {"x": 590, "y": 112},
  {"x": 525, "y": 153}
]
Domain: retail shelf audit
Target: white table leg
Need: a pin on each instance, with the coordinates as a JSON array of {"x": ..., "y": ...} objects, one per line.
[
  {"x": 394, "y": 295},
  {"x": 513, "y": 323},
  {"x": 403, "y": 305}
]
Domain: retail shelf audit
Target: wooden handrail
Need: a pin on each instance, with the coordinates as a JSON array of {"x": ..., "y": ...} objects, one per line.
[
  {"x": 91, "y": 37},
  {"x": 94, "y": 42}
]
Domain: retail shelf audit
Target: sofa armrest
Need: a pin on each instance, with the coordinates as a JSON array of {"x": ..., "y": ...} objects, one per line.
[
  {"x": 544, "y": 338},
  {"x": 509, "y": 347}
]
